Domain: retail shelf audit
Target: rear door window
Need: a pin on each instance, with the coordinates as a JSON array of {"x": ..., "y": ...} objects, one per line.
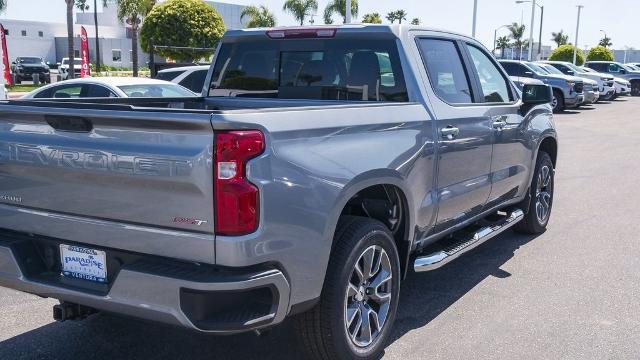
[
  {"x": 447, "y": 74},
  {"x": 169, "y": 75},
  {"x": 332, "y": 69},
  {"x": 195, "y": 81}
]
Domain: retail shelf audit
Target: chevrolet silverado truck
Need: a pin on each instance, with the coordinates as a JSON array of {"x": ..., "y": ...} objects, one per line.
[{"x": 319, "y": 167}]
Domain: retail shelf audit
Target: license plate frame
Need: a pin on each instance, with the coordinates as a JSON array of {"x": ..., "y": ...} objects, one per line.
[{"x": 83, "y": 263}]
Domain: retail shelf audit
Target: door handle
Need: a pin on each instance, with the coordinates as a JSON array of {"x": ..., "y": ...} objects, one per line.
[
  {"x": 499, "y": 124},
  {"x": 449, "y": 132}
]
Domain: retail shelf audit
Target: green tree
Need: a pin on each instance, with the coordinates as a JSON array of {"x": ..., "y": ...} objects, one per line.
[
  {"x": 3, "y": 5},
  {"x": 560, "y": 38},
  {"x": 179, "y": 24},
  {"x": 416, "y": 21},
  {"x": 373, "y": 18},
  {"x": 300, "y": 9},
  {"x": 600, "y": 53},
  {"x": 132, "y": 12},
  {"x": 258, "y": 16},
  {"x": 605, "y": 42},
  {"x": 397, "y": 15},
  {"x": 565, "y": 53},
  {"x": 339, "y": 7},
  {"x": 517, "y": 33},
  {"x": 503, "y": 43}
]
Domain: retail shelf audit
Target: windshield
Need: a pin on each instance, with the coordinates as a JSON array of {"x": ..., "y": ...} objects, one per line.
[
  {"x": 76, "y": 62},
  {"x": 156, "y": 90},
  {"x": 537, "y": 69},
  {"x": 551, "y": 69},
  {"x": 30, "y": 60},
  {"x": 574, "y": 68},
  {"x": 627, "y": 67},
  {"x": 323, "y": 69}
]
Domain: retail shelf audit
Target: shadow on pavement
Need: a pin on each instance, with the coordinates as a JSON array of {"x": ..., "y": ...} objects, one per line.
[{"x": 423, "y": 297}]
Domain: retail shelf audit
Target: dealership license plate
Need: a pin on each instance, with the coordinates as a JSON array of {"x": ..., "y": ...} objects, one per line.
[{"x": 83, "y": 263}]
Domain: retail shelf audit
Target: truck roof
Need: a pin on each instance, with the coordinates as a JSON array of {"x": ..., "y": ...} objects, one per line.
[{"x": 395, "y": 29}]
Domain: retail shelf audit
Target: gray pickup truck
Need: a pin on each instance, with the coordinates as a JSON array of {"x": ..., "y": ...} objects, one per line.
[{"x": 319, "y": 167}]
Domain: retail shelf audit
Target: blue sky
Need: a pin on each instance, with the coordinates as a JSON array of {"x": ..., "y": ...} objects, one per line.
[{"x": 616, "y": 17}]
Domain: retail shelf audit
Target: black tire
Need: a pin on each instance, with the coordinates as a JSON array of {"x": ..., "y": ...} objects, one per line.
[
  {"x": 635, "y": 88},
  {"x": 323, "y": 331},
  {"x": 532, "y": 222},
  {"x": 558, "y": 101}
]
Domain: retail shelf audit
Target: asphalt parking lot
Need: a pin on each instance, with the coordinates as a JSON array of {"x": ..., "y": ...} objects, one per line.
[{"x": 570, "y": 293}]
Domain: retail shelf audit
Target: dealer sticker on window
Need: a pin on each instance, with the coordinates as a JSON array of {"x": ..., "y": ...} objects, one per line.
[{"x": 83, "y": 263}]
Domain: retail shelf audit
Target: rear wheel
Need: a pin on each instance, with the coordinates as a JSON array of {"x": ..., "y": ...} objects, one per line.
[
  {"x": 635, "y": 88},
  {"x": 541, "y": 192},
  {"x": 360, "y": 296},
  {"x": 557, "y": 103}
]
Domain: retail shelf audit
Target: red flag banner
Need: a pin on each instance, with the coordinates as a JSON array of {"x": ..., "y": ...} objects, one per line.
[
  {"x": 84, "y": 53},
  {"x": 5, "y": 59}
]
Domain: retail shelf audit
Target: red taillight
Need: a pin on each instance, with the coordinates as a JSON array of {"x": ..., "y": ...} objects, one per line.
[
  {"x": 302, "y": 33},
  {"x": 236, "y": 199}
]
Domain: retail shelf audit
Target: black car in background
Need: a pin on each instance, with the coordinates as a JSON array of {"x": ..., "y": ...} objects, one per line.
[{"x": 25, "y": 67}]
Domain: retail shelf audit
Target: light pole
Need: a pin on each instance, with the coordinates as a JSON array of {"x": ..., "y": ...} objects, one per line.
[
  {"x": 575, "y": 48},
  {"x": 541, "y": 20},
  {"x": 348, "y": 12},
  {"x": 495, "y": 37},
  {"x": 533, "y": 15},
  {"x": 475, "y": 15}
]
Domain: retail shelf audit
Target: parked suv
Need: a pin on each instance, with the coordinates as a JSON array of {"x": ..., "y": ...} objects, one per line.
[
  {"x": 190, "y": 77},
  {"x": 25, "y": 67},
  {"x": 63, "y": 69},
  {"x": 618, "y": 70},
  {"x": 320, "y": 167},
  {"x": 605, "y": 81},
  {"x": 567, "y": 92},
  {"x": 590, "y": 88}
]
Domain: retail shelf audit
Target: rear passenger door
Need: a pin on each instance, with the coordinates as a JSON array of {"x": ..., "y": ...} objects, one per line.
[{"x": 464, "y": 133}]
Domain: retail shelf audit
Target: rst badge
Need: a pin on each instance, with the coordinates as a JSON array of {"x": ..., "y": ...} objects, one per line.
[{"x": 188, "y": 221}]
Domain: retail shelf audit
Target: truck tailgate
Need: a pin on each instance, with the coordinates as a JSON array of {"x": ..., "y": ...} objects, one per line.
[{"x": 138, "y": 168}]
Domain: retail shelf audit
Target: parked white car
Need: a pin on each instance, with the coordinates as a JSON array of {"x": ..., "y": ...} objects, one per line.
[
  {"x": 190, "y": 77},
  {"x": 116, "y": 87},
  {"x": 63, "y": 69},
  {"x": 623, "y": 87}
]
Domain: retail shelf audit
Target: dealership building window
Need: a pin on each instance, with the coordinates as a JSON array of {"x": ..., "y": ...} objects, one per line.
[
  {"x": 76, "y": 53},
  {"x": 41, "y": 33},
  {"x": 24, "y": 32},
  {"x": 116, "y": 55},
  {"x": 6, "y": 32}
]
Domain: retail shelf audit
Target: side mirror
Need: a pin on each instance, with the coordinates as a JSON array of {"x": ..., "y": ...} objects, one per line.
[
  {"x": 536, "y": 94},
  {"x": 571, "y": 72},
  {"x": 623, "y": 71},
  {"x": 528, "y": 74}
]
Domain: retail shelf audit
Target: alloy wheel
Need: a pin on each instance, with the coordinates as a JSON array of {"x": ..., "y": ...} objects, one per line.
[
  {"x": 368, "y": 296},
  {"x": 543, "y": 194}
]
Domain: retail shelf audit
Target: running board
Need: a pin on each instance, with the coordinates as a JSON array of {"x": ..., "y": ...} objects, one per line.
[{"x": 437, "y": 259}]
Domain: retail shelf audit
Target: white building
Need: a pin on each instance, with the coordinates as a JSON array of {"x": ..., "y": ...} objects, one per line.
[{"x": 49, "y": 40}]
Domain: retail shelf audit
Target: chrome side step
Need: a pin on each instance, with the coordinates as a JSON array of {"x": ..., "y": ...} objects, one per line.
[{"x": 437, "y": 259}]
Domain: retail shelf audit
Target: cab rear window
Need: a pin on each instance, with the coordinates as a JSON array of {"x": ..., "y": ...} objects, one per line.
[{"x": 335, "y": 69}]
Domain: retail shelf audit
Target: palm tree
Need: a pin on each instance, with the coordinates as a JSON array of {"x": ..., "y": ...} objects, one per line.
[
  {"x": 300, "y": 9},
  {"x": 517, "y": 33},
  {"x": 605, "y": 42},
  {"x": 259, "y": 16},
  {"x": 373, "y": 18},
  {"x": 71, "y": 53},
  {"x": 502, "y": 43},
  {"x": 3, "y": 5},
  {"x": 339, "y": 7},
  {"x": 560, "y": 38},
  {"x": 401, "y": 15},
  {"x": 416, "y": 21},
  {"x": 82, "y": 5},
  {"x": 132, "y": 12}
]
